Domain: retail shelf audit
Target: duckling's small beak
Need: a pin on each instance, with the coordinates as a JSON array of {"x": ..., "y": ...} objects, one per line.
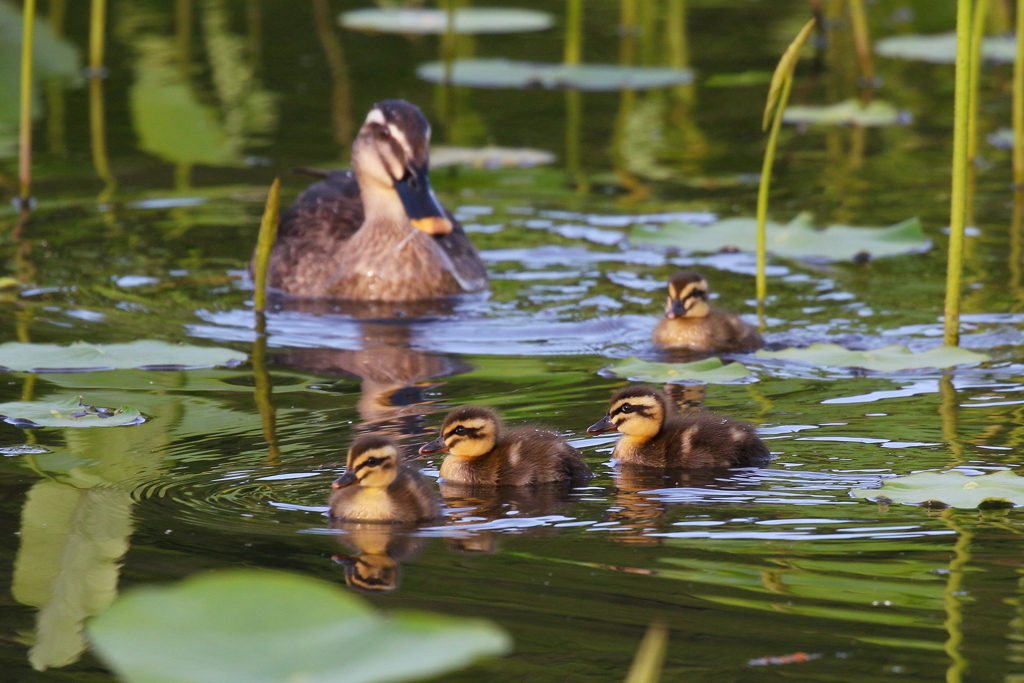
[
  {"x": 678, "y": 310},
  {"x": 603, "y": 425},
  {"x": 435, "y": 446},
  {"x": 421, "y": 205},
  {"x": 344, "y": 480}
]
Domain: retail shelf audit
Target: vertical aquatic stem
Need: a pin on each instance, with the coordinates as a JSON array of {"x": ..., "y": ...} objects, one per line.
[
  {"x": 573, "y": 33},
  {"x": 97, "y": 109},
  {"x": 55, "y": 109},
  {"x": 862, "y": 42},
  {"x": 265, "y": 243},
  {"x": 97, "y": 34},
  {"x": 25, "y": 112},
  {"x": 264, "y": 389},
  {"x": 958, "y": 197},
  {"x": 977, "y": 35},
  {"x": 572, "y": 56},
  {"x": 763, "y": 192},
  {"x": 650, "y": 656},
  {"x": 341, "y": 94},
  {"x": 1018, "y": 102}
]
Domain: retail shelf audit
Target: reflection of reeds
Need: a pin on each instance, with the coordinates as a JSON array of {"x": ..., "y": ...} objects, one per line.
[
  {"x": 341, "y": 95},
  {"x": 958, "y": 198},
  {"x": 25, "y": 111},
  {"x": 572, "y": 56},
  {"x": 97, "y": 113},
  {"x": 263, "y": 392},
  {"x": 650, "y": 656},
  {"x": 951, "y": 597},
  {"x": 55, "y": 110},
  {"x": 948, "y": 411},
  {"x": 1018, "y": 102},
  {"x": 862, "y": 45}
]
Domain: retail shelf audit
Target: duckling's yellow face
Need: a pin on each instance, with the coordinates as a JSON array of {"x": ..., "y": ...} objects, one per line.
[
  {"x": 391, "y": 157},
  {"x": 639, "y": 416},
  {"x": 687, "y": 297},
  {"x": 370, "y": 465},
  {"x": 467, "y": 433}
]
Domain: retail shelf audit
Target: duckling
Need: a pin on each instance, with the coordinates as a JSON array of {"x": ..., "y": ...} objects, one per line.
[
  {"x": 481, "y": 452},
  {"x": 690, "y": 323},
  {"x": 653, "y": 435},
  {"x": 376, "y": 487},
  {"x": 378, "y": 233}
]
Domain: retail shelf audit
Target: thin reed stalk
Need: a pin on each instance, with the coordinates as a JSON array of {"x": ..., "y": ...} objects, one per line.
[
  {"x": 1018, "y": 102},
  {"x": 573, "y": 53},
  {"x": 25, "y": 111},
  {"x": 862, "y": 44},
  {"x": 981, "y": 12},
  {"x": 778, "y": 96},
  {"x": 265, "y": 243},
  {"x": 650, "y": 656},
  {"x": 958, "y": 195},
  {"x": 97, "y": 107},
  {"x": 264, "y": 390}
]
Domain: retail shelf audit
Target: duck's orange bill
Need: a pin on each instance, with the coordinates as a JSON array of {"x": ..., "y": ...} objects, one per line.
[{"x": 434, "y": 225}]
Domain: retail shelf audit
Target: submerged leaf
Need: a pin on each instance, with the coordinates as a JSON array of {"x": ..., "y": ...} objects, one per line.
[
  {"x": 504, "y": 73},
  {"x": 710, "y": 370},
  {"x": 850, "y": 112},
  {"x": 435, "y": 21},
  {"x": 940, "y": 48},
  {"x": 70, "y": 412},
  {"x": 268, "y": 627},
  {"x": 949, "y": 488},
  {"x": 796, "y": 239},
  {"x": 885, "y": 359},
  {"x": 144, "y": 355},
  {"x": 489, "y": 157}
]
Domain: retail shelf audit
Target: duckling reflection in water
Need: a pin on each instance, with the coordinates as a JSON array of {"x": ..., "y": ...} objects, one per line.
[
  {"x": 482, "y": 452},
  {"x": 377, "y": 487},
  {"x": 378, "y": 234},
  {"x": 654, "y": 435},
  {"x": 375, "y": 566},
  {"x": 691, "y": 324}
]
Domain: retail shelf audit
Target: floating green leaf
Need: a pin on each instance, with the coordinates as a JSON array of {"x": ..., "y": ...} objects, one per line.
[
  {"x": 884, "y": 359},
  {"x": 797, "y": 239},
  {"x": 949, "y": 488},
  {"x": 850, "y": 112},
  {"x": 435, "y": 21},
  {"x": 504, "y": 73},
  {"x": 143, "y": 355},
  {"x": 70, "y": 412},
  {"x": 489, "y": 157},
  {"x": 710, "y": 370},
  {"x": 268, "y": 627},
  {"x": 940, "y": 48}
]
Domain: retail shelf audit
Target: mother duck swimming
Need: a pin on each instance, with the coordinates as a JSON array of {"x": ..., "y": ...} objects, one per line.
[{"x": 376, "y": 233}]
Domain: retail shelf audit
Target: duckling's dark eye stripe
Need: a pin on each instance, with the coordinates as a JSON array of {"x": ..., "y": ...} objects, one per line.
[
  {"x": 470, "y": 432},
  {"x": 641, "y": 410}
]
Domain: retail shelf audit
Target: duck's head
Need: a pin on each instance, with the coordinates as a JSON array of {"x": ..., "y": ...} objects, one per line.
[
  {"x": 687, "y": 296},
  {"x": 372, "y": 462},
  {"x": 391, "y": 156},
  {"x": 469, "y": 432},
  {"x": 636, "y": 411}
]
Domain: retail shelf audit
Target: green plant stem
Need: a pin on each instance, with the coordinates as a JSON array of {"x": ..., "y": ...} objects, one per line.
[
  {"x": 264, "y": 245},
  {"x": 25, "y": 111},
  {"x": 954, "y": 267},
  {"x": 264, "y": 389},
  {"x": 573, "y": 32},
  {"x": 862, "y": 42},
  {"x": 97, "y": 28},
  {"x": 650, "y": 656},
  {"x": 1018, "y": 102},
  {"x": 763, "y": 190},
  {"x": 977, "y": 35}
]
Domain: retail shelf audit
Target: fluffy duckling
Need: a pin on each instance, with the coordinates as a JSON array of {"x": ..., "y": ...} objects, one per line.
[
  {"x": 653, "y": 435},
  {"x": 376, "y": 487},
  {"x": 378, "y": 234},
  {"x": 690, "y": 323},
  {"x": 482, "y": 452}
]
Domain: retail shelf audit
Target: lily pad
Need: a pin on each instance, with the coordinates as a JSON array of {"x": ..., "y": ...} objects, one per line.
[
  {"x": 850, "y": 112},
  {"x": 435, "y": 21},
  {"x": 269, "y": 627},
  {"x": 797, "y": 239},
  {"x": 884, "y": 359},
  {"x": 710, "y": 370},
  {"x": 70, "y": 412},
  {"x": 141, "y": 355},
  {"x": 504, "y": 73},
  {"x": 949, "y": 488},
  {"x": 489, "y": 157},
  {"x": 940, "y": 48}
]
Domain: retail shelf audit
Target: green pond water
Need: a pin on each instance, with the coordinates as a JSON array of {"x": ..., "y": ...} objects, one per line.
[{"x": 742, "y": 566}]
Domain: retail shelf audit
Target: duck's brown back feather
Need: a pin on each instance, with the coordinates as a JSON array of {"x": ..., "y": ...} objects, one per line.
[
  {"x": 521, "y": 457},
  {"x": 698, "y": 440}
]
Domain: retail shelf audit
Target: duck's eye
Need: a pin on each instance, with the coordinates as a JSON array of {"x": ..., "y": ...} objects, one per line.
[
  {"x": 460, "y": 430},
  {"x": 373, "y": 462},
  {"x": 626, "y": 408},
  {"x": 384, "y": 131}
]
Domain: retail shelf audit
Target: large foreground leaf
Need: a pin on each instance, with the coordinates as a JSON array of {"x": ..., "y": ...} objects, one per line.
[
  {"x": 144, "y": 355},
  {"x": 950, "y": 488},
  {"x": 710, "y": 370},
  {"x": 851, "y": 112},
  {"x": 467, "y": 20},
  {"x": 266, "y": 627},
  {"x": 797, "y": 239},
  {"x": 70, "y": 412},
  {"x": 504, "y": 73},
  {"x": 884, "y": 359},
  {"x": 940, "y": 48}
]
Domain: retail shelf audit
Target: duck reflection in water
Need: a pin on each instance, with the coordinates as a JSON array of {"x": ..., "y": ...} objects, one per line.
[{"x": 376, "y": 551}]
